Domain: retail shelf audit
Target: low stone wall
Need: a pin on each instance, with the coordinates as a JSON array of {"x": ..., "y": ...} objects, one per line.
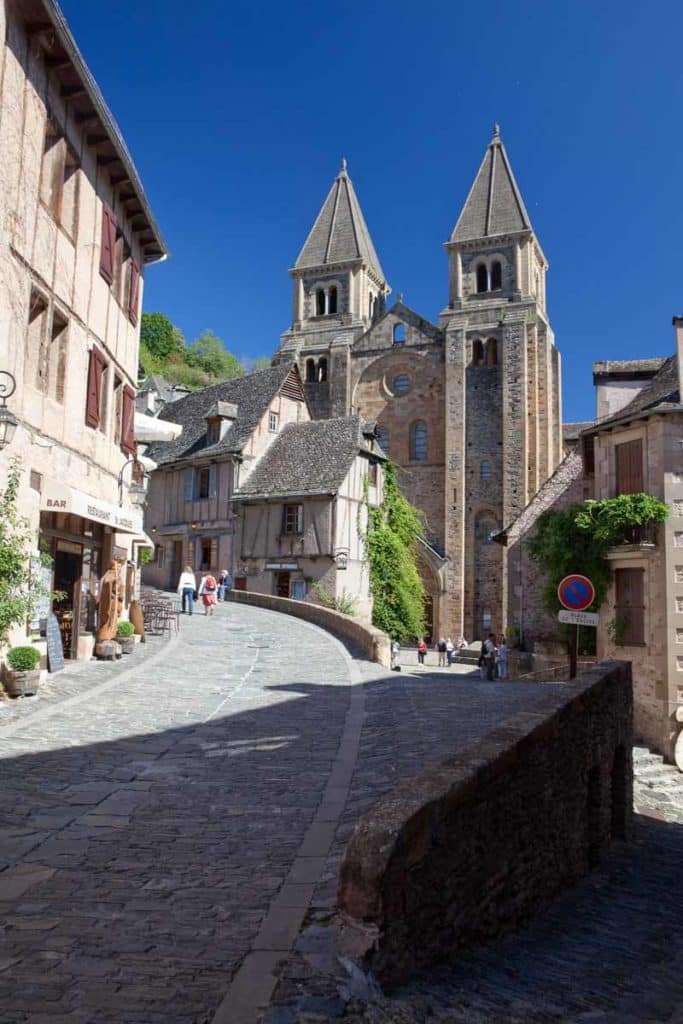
[
  {"x": 375, "y": 644},
  {"x": 472, "y": 846}
]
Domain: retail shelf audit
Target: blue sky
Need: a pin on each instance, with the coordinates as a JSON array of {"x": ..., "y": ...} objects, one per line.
[{"x": 237, "y": 115}]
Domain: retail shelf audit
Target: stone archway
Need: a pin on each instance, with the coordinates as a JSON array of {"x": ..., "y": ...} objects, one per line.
[{"x": 432, "y": 569}]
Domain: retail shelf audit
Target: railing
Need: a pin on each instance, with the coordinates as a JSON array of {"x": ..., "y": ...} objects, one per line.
[{"x": 645, "y": 535}]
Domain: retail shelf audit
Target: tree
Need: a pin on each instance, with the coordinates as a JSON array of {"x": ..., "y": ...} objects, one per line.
[
  {"x": 254, "y": 365},
  {"x": 159, "y": 336},
  {"x": 208, "y": 353}
]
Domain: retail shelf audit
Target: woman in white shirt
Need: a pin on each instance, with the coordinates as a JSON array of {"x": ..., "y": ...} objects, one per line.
[{"x": 186, "y": 589}]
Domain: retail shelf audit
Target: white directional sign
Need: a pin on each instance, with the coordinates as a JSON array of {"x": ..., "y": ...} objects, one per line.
[{"x": 578, "y": 618}]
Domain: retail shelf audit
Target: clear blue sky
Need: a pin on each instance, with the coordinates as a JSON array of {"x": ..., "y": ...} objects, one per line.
[{"x": 237, "y": 115}]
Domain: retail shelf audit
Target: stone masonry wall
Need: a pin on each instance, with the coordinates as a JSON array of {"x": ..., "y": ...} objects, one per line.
[{"x": 472, "y": 846}]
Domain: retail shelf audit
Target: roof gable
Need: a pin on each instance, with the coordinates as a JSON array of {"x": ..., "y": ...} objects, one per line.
[
  {"x": 661, "y": 392},
  {"x": 494, "y": 205}
]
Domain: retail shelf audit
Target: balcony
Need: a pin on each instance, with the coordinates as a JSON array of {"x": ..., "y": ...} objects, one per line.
[{"x": 635, "y": 538}]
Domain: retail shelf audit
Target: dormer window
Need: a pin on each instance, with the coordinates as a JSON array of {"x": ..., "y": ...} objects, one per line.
[
  {"x": 219, "y": 419},
  {"x": 213, "y": 432},
  {"x": 273, "y": 420}
]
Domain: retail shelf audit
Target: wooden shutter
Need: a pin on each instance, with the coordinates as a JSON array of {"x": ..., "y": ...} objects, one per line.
[
  {"x": 108, "y": 243},
  {"x": 134, "y": 293},
  {"x": 189, "y": 484},
  {"x": 94, "y": 391},
  {"x": 214, "y": 553},
  {"x": 128, "y": 422},
  {"x": 629, "y": 605},
  {"x": 212, "y": 480},
  {"x": 629, "y": 467}
]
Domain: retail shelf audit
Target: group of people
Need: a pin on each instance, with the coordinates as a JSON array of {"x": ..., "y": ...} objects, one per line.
[
  {"x": 445, "y": 648},
  {"x": 209, "y": 590},
  {"x": 493, "y": 659}
]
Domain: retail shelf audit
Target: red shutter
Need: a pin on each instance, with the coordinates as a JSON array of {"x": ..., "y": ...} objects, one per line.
[
  {"x": 94, "y": 392},
  {"x": 108, "y": 243},
  {"x": 128, "y": 422},
  {"x": 134, "y": 294}
]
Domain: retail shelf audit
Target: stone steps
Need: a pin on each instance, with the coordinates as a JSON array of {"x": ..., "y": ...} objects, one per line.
[{"x": 656, "y": 785}]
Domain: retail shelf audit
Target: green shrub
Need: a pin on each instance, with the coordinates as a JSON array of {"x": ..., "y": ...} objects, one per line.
[
  {"x": 125, "y": 629},
  {"x": 23, "y": 659}
]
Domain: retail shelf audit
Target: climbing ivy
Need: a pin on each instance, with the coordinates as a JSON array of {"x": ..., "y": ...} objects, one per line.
[{"x": 390, "y": 542}]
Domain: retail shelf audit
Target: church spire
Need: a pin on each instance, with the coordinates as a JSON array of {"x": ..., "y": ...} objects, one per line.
[
  {"x": 494, "y": 205},
  {"x": 340, "y": 233}
]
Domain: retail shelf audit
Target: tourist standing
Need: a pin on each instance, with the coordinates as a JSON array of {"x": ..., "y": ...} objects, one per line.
[
  {"x": 450, "y": 651},
  {"x": 421, "y": 650},
  {"x": 207, "y": 591},
  {"x": 395, "y": 652},
  {"x": 441, "y": 648},
  {"x": 187, "y": 591},
  {"x": 490, "y": 655},
  {"x": 502, "y": 659},
  {"x": 224, "y": 584}
]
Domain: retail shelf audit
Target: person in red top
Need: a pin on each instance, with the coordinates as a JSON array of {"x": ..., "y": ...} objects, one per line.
[{"x": 421, "y": 650}]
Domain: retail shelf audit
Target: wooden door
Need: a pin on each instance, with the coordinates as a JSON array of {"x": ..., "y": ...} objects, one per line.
[{"x": 282, "y": 584}]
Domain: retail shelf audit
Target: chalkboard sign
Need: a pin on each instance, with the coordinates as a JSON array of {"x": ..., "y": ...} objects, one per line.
[{"x": 55, "y": 651}]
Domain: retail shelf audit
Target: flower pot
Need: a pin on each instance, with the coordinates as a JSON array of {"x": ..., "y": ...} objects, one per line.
[
  {"x": 127, "y": 644},
  {"x": 21, "y": 684}
]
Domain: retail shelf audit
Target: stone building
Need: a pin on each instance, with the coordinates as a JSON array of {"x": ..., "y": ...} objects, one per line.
[
  {"x": 468, "y": 408},
  {"x": 76, "y": 233}
]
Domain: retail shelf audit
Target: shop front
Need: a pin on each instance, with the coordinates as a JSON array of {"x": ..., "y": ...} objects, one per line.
[{"x": 83, "y": 536}]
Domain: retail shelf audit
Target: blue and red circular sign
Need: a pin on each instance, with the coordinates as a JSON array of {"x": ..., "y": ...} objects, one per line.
[{"x": 576, "y": 593}]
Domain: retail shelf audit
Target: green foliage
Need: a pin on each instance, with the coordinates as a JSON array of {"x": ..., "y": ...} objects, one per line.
[
  {"x": 125, "y": 628},
  {"x": 23, "y": 659},
  {"x": 345, "y": 603},
  {"x": 609, "y": 519},
  {"x": 397, "y": 590},
  {"x": 209, "y": 354},
  {"x": 20, "y": 590},
  {"x": 159, "y": 336},
  {"x": 145, "y": 555}
]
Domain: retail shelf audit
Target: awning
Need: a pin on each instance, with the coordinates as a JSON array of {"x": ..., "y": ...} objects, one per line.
[
  {"x": 58, "y": 497},
  {"x": 149, "y": 428},
  {"x": 143, "y": 541}
]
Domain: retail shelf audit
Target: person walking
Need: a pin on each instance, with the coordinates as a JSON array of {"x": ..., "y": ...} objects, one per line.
[
  {"x": 441, "y": 648},
  {"x": 395, "y": 652},
  {"x": 490, "y": 654},
  {"x": 450, "y": 651},
  {"x": 481, "y": 662},
  {"x": 207, "y": 591},
  {"x": 421, "y": 650},
  {"x": 502, "y": 659},
  {"x": 187, "y": 589}
]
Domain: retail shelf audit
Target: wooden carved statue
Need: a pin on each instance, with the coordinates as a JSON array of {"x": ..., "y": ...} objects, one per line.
[{"x": 110, "y": 602}]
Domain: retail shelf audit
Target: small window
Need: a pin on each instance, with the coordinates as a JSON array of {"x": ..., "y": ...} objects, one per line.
[
  {"x": 293, "y": 519},
  {"x": 629, "y": 606},
  {"x": 273, "y": 422},
  {"x": 320, "y": 302},
  {"x": 213, "y": 432},
  {"x": 477, "y": 353},
  {"x": 372, "y": 474},
  {"x": 332, "y": 302},
  {"x": 401, "y": 384},
  {"x": 159, "y": 555},
  {"x": 496, "y": 275},
  {"x": 118, "y": 410},
  {"x": 36, "y": 342},
  {"x": 207, "y": 553},
  {"x": 482, "y": 278},
  {"x": 58, "y": 353},
  {"x": 628, "y": 459},
  {"x": 492, "y": 352},
  {"x": 322, "y": 370},
  {"x": 418, "y": 442},
  {"x": 484, "y": 530},
  {"x": 59, "y": 179},
  {"x": 399, "y": 334},
  {"x": 203, "y": 480},
  {"x": 310, "y": 370},
  {"x": 383, "y": 439},
  {"x": 485, "y": 469},
  {"x": 486, "y": 619}
]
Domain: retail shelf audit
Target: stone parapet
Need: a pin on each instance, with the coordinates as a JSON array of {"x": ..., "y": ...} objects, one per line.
[
  {"x": 375, "y": 644},
  {"x": 474, "y": 845}
]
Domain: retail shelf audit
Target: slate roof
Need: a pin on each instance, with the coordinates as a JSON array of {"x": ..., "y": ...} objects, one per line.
[
  {"x": 166, "y": 391},
  {"x": 340, "y": 232},
  {"x": 251, "y": 394},
  {"x": 568, "y": 471},
  {"x": 571, "y": 431},
  {"x": 661, "y": 393},
  {"x": 309, "y": 458},
  {"x": 625, "y": 368},
  {"x": 494, "y": 205}
]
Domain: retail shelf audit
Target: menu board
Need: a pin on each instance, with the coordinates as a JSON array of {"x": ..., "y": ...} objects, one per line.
[{"x": 55, "y": 650}]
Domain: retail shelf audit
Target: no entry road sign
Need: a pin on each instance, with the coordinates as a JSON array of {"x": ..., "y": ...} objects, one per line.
[{"x": 576, "y": 593}]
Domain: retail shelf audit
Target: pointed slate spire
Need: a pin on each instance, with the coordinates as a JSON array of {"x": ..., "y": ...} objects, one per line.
[
  {"x": 494, "y": 205},
  {"x": 340, "y": 232}
]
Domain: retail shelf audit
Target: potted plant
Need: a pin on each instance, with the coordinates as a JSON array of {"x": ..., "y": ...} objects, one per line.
[
  {"x": 124, "y": 636},
  {"x": 23, "y": 675}
]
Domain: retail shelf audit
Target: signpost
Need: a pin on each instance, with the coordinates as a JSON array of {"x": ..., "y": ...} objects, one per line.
[{"x": 576, "y": 593}]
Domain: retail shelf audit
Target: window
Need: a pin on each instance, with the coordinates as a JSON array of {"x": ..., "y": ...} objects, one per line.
[
  {"x": 273, "y": 422},
  {"x": 401, "y": 384},
  {"x": 372, "y": 474},
  {"x": 484, "y": 529},
  {"x": 629, "y": 467},
  {"x": 383, "y": 439},
  {"x": 96, "y": 396},
  {"x": 213, "y": 432},
  {"x": 118, "y": 409},
  {"x": 418, "y": 442},
  {"x": 399, "y": 334},
  {"x": 332, "y": 304},
  {"x": 58, "y": 353},
  {"x": 128, "y": 443},
  {"x": 293, "y": 519},
  {"x": 208, "y": 551},
  {"x": 492, "y": 352},
  {"x": 485, "y": 469},
  {"x": 496, "y": 275},
  {"x": 203, "y": 479},
  {"x": 108, "y": 243},
  {"x": 486, "y": 619},
  {"x": 133, "y": 292},
  {"x": 322, "y": 370},
  {"x": 310, "y": 370},
  {"x": 320, "y": 302},
  {"x": 159, "y": 555},
  {"x": 629, "y": 606},
  {"x": 482, "y": 278},
  {"x": 59, "y": 179},
  {"x": 477, "y": 353},
  {"x": 36, "y": 342}
]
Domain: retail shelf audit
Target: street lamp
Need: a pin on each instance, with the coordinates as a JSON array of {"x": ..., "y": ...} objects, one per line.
[
  {"x": 137, "y": 491},
  {"x": 8, "y": 422}
]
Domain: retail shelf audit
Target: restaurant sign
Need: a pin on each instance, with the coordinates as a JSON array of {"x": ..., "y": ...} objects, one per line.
[{"x": 58, "y": 497}]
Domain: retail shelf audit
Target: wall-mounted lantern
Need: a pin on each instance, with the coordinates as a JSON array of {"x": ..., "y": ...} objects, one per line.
[
  {"x": 137, "y": 490},
  {"x": 8, "y": 422}
]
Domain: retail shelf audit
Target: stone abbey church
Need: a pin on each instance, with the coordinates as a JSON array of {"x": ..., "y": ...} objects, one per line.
[{"x": 469, "y": 407}]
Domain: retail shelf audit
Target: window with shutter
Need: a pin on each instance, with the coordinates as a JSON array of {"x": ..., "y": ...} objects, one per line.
[
  {"x": 629, "y": 467},
  {"x": 134, "y": 293},
  {"x": 629, "y": 606},
  {"x": 189, "y": 484},
  {"x": 128, "y": 422},
  {"x": 213, "y": 476},
  {"x": 107, "y": 243},
  {"x": 94, "y": 393}
]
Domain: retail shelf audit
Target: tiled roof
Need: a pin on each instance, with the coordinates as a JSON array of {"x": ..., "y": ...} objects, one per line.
[
  {"x": 309, "y": 458},
  {"x": 662, "y": 392},
  {"x": 251, "y": 394},
  {"x": 340, "y": 232},
  {"x": 494, "y": 205}
]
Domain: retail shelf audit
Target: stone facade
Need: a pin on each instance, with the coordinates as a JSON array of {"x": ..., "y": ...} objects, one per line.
[
  {"x": 469, "y": 409},
  {"x": 75, "y": 234}
]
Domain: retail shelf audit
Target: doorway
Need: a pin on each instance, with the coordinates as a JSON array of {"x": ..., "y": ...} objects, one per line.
[
  {"x": 68, "y": 565},
  {"x": 282, "y": 584},
  {"x": 176, "y": 561}
]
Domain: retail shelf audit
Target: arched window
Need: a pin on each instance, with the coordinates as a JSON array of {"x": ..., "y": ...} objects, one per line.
[
  {"x": 322, "y": 370},
  {"x": 482, "y": 278},
  {"x": 310, "y": 370},
  {"x": 492, "y": 352},
  {"x": 399, "y": 334},
  {"x": 477, "y": 353},
  {"x": 332, "y": 306},
  {"x": 383, "y": 439},
  {"x": 484, "y": 529},
  {"x": 496, "y": 275},
  {"x": 485, "y": 469},
  {"x": 401, "y": 384},
  {"x": 418, "y": 442},
  {"x": 320, "y": 302}
]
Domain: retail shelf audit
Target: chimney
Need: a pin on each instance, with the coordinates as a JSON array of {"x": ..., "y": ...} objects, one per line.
[{"x": 678, "y": 327}]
